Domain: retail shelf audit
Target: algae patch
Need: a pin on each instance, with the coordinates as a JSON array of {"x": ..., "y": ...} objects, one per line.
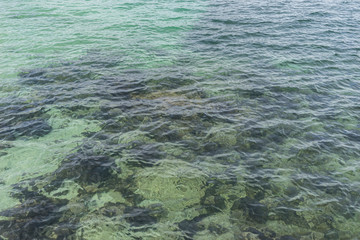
[
  {"x": 29, "y": 158},
  {"x": 174, "y": 184}
]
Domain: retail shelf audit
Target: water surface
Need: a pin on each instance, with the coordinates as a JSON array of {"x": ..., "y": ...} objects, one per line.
[{"x": 179, "y": 120}]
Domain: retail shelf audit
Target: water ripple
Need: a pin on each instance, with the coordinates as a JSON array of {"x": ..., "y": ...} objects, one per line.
[{"x": 241, "y": 125}]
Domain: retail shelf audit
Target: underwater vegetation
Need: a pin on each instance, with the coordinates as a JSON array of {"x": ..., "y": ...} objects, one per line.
[
  {"x": 249, "y": 132},
  {"x": 174, "y": 161}
]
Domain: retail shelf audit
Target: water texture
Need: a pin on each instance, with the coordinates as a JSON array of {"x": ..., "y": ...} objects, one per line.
[{"x": 183, "y": 120}]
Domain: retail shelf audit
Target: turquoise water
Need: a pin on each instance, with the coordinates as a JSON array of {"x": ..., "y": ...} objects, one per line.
[{"x": 185, "y": 120}]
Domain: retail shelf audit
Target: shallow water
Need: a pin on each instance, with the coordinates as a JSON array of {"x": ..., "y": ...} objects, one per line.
[{"x": 179, "y": 120}]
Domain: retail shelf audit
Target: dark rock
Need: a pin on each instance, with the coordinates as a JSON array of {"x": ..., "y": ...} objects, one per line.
[
  {"x": 130, "y": 195},
  {"x": 3, "y": 154},
  {"x": 269, "y": 233},
  {"x": 291, "y": 191},
  {"x": 175, "y": 116},
  {"x": 260, "y": 235},
  {"x": 210, "y": 147},
  {"x": 191, "y": 227},
  {"x": 252, "y": 209},
  {"x": 214, "y": 204},
  {"x": 145, "y": 155},
  {"x": 86, "y": 169},
  {"x": 217, "y": 229},
  {"x": 35, "y": 128},
  {"x": 190, "y": 144},
  {"x": 263, "y": 234},
  {"x": 211, "y": 200},
  {"x": 32, "y": 218},
  {"x": 172, "y": 135},
  {"x": 289, "y": 215},
  {"x": 34, "y": 77},
  {"x": 5, "y": 146},
  {"x": 139, "y": 216},
  {"x": 112, "y": 209},
  {"x": 53, "y": 185}
]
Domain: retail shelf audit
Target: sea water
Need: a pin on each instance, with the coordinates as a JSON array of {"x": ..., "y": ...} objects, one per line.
[{"x": 169, "y": 119}]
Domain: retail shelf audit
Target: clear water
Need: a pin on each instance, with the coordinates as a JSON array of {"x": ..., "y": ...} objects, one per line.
[{"x": 171, "y": 119}]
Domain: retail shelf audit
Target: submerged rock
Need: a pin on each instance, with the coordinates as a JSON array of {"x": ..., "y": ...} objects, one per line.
[
  {"x": 5, "y": 145},
  {"x": 87, "y": 169},
  {"x": 250, "y": 210},
  {"x": 191, "y": 227},
  {"x": 37, "y": 217},
  {"x": 143, "y": 155},
  {"x": 223, "y": 136},
  {"x": 140, "y": 216},
  {"x": 35, "y": 128},
  {"x": 22, "y": 118}
]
